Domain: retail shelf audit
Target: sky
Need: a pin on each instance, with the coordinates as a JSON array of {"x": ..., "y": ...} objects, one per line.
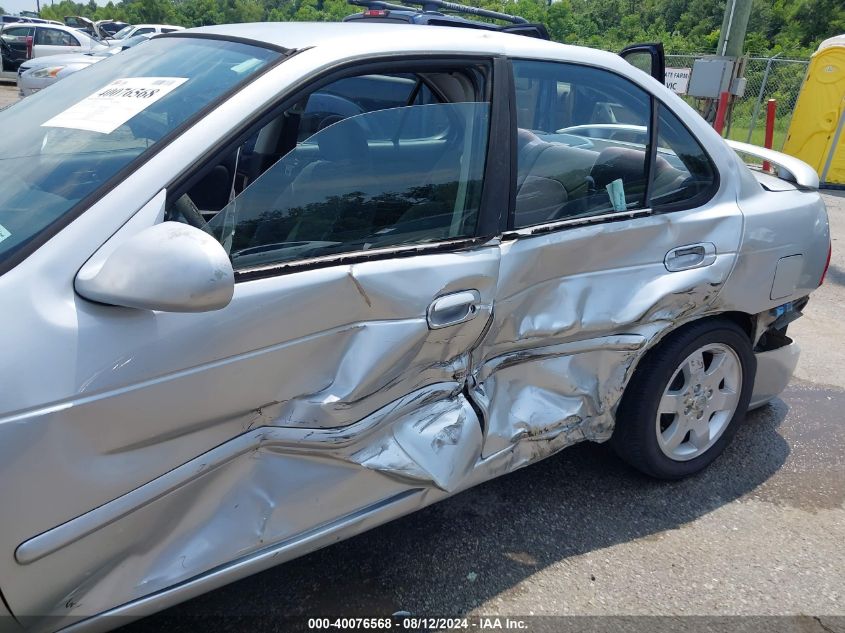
[{"x": 15, "y": 6}]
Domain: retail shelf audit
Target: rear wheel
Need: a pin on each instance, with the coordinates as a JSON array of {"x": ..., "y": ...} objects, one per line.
[{"x": 685, "y": 400}]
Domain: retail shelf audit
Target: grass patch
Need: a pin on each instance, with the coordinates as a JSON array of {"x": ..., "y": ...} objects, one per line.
[{"x": 740, "y": 133}]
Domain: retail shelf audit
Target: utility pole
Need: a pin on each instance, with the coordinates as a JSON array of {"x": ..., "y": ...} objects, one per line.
[
  {"x": 734, "y": 26},
  {"x": 731, "y": 43}
]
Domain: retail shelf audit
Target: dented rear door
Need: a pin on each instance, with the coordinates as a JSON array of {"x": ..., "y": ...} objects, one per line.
[{"x": 611, "y": 244}]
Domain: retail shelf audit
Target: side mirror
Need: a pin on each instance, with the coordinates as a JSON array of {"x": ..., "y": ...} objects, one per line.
[
  {"x": 649, "y": 58},
  {"x": 171, "y": 267}
]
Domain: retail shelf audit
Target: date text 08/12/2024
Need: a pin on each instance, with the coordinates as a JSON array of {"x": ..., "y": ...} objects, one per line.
[{"x": 410, "y": 623}]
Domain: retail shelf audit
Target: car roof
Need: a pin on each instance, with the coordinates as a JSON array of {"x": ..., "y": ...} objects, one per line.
[{"x": 349, "y": 38}]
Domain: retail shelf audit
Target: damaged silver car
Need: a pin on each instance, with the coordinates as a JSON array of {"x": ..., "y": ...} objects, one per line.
[{"x": 267, "y": 286}]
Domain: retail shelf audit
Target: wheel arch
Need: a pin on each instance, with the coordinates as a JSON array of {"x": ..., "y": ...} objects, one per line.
[
  {"x": 654, "y": 364},
  {"x": 746, "y": 322}
]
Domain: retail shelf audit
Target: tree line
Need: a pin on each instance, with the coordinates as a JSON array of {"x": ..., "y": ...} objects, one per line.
[{"x": 790, "y": 27}]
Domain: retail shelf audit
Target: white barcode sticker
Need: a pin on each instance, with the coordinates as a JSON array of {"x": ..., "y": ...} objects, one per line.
[{"x": 114, "y": 104}]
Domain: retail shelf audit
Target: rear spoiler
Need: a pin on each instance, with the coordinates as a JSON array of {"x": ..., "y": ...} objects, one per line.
[{"x": 788, "y": 167}]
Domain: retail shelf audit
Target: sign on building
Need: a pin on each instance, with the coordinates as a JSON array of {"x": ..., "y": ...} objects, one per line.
[{"x": 677, "y": 80}]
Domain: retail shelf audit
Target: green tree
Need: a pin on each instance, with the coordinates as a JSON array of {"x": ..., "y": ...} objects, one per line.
[
  {"x": 791, "y": 27},
  {"x": 149, "y": 11},
  {"x": 65, "y": 7}
]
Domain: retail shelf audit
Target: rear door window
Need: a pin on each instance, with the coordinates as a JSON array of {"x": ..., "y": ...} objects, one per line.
[
  {"x": 54, "y": 37},
  {"x": 684, "y": 175},
  {"x": 582, "y": 142}
]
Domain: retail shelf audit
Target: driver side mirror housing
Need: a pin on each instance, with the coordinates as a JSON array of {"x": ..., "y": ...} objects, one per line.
[{"x": 170, "y": 267}]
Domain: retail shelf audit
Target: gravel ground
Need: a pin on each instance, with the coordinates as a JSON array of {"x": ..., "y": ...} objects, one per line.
[{"x": 760, "y": 533}]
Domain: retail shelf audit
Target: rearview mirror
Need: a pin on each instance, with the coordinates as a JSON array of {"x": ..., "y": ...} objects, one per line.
[{"x": 170, "y": 267}]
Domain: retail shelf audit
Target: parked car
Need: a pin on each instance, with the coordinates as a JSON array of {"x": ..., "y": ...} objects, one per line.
[
  {"x": 386, "y": 13},
  {"x": 266, "y": 286},
  {"x": 101, "y": 29},
  {"x": 37, "y": 74},
  {"x": 143, "y": 29},
  {"x": 108, "y": 28},
  {"x": 22, "y": 41},
  {"x": 8, "y": 19}
]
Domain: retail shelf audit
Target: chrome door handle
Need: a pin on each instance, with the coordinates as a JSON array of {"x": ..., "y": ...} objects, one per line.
[
  {"x": 452, "y": 309},
  {"x": 690, "y": 256}
]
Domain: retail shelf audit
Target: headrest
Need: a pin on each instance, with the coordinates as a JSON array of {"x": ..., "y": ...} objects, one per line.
[
  {"x": 344, "y": 141},
  {"x": 525, "y": 137},
  {"x": 619, "y": 162}
]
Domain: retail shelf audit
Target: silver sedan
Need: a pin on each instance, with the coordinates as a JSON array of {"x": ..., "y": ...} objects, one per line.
[
  {"x": 38, "y": 73},
  {"x": 267, "y": 286}
]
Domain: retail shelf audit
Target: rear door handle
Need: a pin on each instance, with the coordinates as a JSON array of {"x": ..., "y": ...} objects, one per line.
[
  {"x": 690, "y": 256},
  {"x": 452, "y": 309}
]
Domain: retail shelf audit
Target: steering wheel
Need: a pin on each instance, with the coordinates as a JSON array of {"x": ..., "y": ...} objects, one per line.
[{"x": 185, "y": 207}]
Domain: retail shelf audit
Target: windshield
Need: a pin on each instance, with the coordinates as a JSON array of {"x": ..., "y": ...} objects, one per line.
[
  {"x": 124, "y": 44},
  {"x": 129, "y": 42},
  {"x": 60, "y": 147},
  {"x": 123, "y": 32}
]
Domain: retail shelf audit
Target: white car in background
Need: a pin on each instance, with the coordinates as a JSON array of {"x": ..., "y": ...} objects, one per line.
[
  {"x": 143, "y": 29},
  {"x": 44, "y": 40},
  {"x": 37, "y": 74}
]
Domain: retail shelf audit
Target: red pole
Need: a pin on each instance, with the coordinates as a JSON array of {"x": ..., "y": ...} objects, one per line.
[
  {"x": 719, "y": 123},
  {"x": 771, "y": 106}
]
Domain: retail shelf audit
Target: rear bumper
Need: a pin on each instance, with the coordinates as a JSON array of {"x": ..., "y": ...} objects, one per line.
[{"x": 774, "y": 370}]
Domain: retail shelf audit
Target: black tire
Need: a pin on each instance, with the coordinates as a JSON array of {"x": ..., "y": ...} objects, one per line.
[{"x": 635, "y": 436}]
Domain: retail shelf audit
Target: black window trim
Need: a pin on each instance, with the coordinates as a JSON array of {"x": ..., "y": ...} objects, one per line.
[
  {"x": 696, "y": 201},
  {"x": 702, "y": 197},
  {"x": 286, "y": 52},
  {"x": 496, "y": 168}
]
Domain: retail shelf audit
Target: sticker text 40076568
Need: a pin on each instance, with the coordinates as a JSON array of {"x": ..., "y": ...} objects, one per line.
[{"x": 114, "y": 104}]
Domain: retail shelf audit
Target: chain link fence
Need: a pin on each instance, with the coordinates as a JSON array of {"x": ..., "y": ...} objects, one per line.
[{"x": 767, "y": 78}]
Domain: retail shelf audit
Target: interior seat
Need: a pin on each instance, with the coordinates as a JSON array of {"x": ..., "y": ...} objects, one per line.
[
  {"x": 212, "y": 192},
  {"x": 550, "y": 175},
  {"x": 629, "y": 165}
]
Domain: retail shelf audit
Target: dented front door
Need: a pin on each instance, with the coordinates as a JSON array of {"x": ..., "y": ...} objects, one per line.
[{"x": 327, "y": 390}]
